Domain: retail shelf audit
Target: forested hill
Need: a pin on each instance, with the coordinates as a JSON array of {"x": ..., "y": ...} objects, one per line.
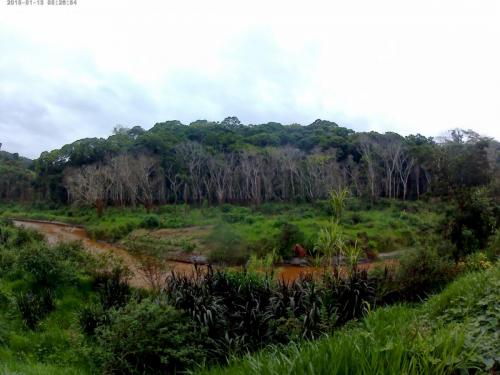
[
  {"x": 227, "y": 161},
  {"x": 228, "y": 135},
  {"x": 15, "y": 176}
]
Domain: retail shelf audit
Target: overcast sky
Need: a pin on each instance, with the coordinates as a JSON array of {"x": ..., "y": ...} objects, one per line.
[{"x": 406, "y": 66}]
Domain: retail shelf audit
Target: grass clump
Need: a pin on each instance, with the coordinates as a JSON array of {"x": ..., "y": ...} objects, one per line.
[{"x": 455, "y": 331}]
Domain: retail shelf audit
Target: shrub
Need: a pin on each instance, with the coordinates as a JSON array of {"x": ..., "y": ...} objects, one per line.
[
  {"x": 91, "y": 317},
  {"x": 8, "y": 259},
  {"x": 469, "y": 224},
  {"x": 262, "y": 246},
  {"x": 149, "y": 337},
  {"x": 4, "y": 333},
  {"x": 4, "y": 299},
  {"x": 6, "y": 233},
  {"x": 44, "y": 269},
  {"x": 111, "y": 232},
  {"x": 493, "y": 249},
  {"x": 226, "y": 207},
  {"x": 270, "y": 208},
  {"x": 51, "y": 266},
  {"x": 187, "y": 245},
  {"x": 112, "y": 286},
  {"x": 237, "y": 255},
  {"x": 324, "y": 207},
  {"x": 355, "y": 218},
  {"x": 289, "y": 235},
  {"x": 227, "y": 246},
  {"x": 25, "y": 236},
  {"x": 421, "y": 272},
  {"x": 34, "y": 306},
  {"x": 474, "y": 262},
  {"x": 231, "y": 217},
  {"x": 70, "y": 251},
  {"x": 151, "y": 222},
  {"x": 176, "y": 222}
]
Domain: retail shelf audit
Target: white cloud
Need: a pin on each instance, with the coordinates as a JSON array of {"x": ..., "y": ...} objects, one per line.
[{"x": 77, "y": 71}]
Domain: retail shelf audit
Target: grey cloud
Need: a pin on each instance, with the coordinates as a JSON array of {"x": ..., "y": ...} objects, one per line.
[{"x": 260, "y": 82}]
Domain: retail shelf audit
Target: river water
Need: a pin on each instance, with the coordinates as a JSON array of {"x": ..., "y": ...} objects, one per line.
[{"x": 59, "y": 232}]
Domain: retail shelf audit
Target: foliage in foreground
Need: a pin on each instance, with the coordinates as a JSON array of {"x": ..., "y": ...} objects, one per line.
[
  {"x": 92, "y": 321},
  {"x": 457, "y": 331},
  {"x": 149, "y": 338}
]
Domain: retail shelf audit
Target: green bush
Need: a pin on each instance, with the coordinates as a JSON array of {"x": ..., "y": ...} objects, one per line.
[
  {"x": 262, "y": 246},
  {"x": 149, "y": 338},
  {"x": 44, "y": 269},
  {"x": 151, "y": 222},
  {"x": 17, "y": 237},
  {"x": 324, "y": 207},
  {"x": 110, "y": 231},
  {"x": 8, "y": 259},
  {"x": 475, "y": 262},
  {"x": 421, "y": 272},
  {"x": 471, "y": 221},
  {"x": 112, "y": 286},
  {"x": 187, "y": 245},
  {"x": 91, "y": 317},
  {"x": 231, "y": 217},
  {"x": 52, "y": 266},
  {"x": 237, "y": 255},
  {"x": 73, "y": 255},
  {"x": 226, "y": 208},
  {"x": 270, "y": 208},
  {"x": 6, "y": 232},
  {"x": 176, "y": 222},
  {"x": 493, "y": 249},
  {"x": 355, "y": 218},
  {"x": 227, "y": 246},
  {"x": 34, "y": 306},
  {"x": 289, "y": 235}
]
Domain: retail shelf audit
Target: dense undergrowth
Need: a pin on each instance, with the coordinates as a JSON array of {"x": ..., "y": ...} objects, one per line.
[
  {"x": 63, "y": 311},
  {"x": 236, "y": 232},
  {"x": 456, "y": 331},
  {"x": 41, "y": 290}
]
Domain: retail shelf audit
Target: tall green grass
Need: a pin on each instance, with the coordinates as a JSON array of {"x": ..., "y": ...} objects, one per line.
[{"x": 456, "y": 330}]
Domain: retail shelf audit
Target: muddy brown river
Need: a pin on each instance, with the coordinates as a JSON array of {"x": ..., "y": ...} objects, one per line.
[{"x": 60, "y": 232}]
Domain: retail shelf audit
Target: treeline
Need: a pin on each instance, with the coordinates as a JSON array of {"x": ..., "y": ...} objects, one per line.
[
  {"x": 219, "y": 162},
  {"x": 16, "y": 178}
]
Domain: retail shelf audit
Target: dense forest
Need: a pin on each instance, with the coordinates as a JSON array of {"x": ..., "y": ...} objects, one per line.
[
  {"x": 219, "y": 162},
  {"x": 16, "y": 177}
]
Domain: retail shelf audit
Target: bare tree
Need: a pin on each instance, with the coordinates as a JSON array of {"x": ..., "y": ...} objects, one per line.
[
  {"x": 404, "y": 166},
  {"x": 192, "y": 156},
  {"x": 124, "y": 187},
  {"x": 149, "y": 179},
  {"x": 389, "y": 150},
  {"x": 88, "y": 185},
  {"x": 365, "y": 146}
]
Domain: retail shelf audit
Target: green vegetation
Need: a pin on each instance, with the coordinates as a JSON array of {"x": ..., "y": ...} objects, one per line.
[
  {"x": 16, "y": 177},
  {"x": 41, "y": 290},
  {"x": 254, "y": 196},
  {"x": 385, "y": 227},
  {"x": 61, "y": 308},
  {"x": 455, "y": 331}
]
